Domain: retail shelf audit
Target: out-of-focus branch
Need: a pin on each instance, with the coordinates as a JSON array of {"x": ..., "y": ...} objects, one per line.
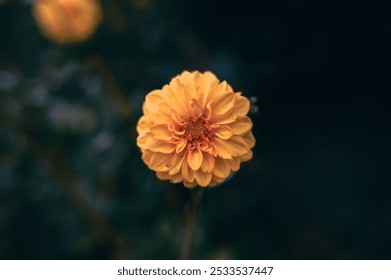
[
  {"x": 110, "y": 84},
  {"x": 100, "y": 225}
]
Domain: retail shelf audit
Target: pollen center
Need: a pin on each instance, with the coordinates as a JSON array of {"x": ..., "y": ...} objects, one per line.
[{"x": 196, "y": 130}]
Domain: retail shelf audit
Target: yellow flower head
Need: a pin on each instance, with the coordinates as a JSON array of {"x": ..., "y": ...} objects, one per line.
[
  {"x": 67, "y": 21},
  {"x": 195, "y": 130}
]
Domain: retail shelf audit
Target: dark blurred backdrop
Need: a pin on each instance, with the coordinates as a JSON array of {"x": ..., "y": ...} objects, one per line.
[{"x": 72, "y": 183}]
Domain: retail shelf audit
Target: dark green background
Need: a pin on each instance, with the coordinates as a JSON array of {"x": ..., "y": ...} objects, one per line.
[{"x": 72, "y": 183}]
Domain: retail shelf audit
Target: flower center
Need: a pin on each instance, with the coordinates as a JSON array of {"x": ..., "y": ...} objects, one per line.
[{"x": 196, "y": 130}]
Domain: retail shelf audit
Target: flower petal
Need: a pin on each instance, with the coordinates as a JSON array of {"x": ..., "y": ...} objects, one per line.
[
  {"x": 241, "y": 125},
  {"x": 181, "y": 145},
  {"x": 176, "y": 178},
  {"x": 166, "y": 148},
  {"x": 143, "y": 125},
  {"x": 146, "y": 156},
  {"x": 250, "y": 139},
  {"x": 187, "y": 82},
  {"x": 163, "y": 175},
  {"x": 222, "y": 168},
  {"x": 161, "y": 132},
  {"x": 176, "y": 117},
  {"x": 222, "y": 88},
  {"x": 208, "y": 163},
  {"x": 194, "y": 159},
  {"x": 209, "y": 83},
  {"x": 143, "y": 139},
  {"x": 175, "y": 164},
  {"x": 195, "y": 109},
  {"x": 164, "y": 115},
  {"x": 215, "y": 181},
  {"x": 208, "y": 147},
  {"x": 152, "y": 101},
  {"x": 190, "y": 185},
  {"x": 187, "y": 172},
  {"x": 159, "y": 161},
  {"x": 222, "y": 147},
  {"x": 247, "y": 157},
  {"x": 176, "y": 97},
  {"x": 237, "y": 145},
  {"x": 176, "y": 128},
  {"x": 223, "y": 132},
  {"x": 218, "y": 179},
  {"x": 228, "y": 117},
  {"x": 235, "y": 164},
  {"x": 223, "y": 103},
  {"x": 208, "y": 110},
  {"x": 242, "y": 105},
  {"x": 203, "y": 179},
  {"x": 156, "y": 145}
]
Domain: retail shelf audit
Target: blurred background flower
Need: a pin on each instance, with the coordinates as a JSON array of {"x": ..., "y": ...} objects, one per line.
[
  {"x": 72, "y": 181},
  {"x": 67, "y": 21}
]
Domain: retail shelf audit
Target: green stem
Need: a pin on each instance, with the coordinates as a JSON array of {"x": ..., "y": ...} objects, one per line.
[{"x": 187, "y": 245}]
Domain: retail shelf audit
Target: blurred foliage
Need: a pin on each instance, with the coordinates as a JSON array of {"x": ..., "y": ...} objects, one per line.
[{"x": 73, "y": 186}]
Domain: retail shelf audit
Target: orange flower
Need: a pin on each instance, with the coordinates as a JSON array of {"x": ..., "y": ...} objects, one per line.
[
  {"x": 195, "y": 130},
  {"x": 67, "y": 21}
]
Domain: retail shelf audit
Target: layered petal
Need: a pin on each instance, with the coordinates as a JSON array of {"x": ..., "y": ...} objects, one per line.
[
  {"x": 203, "y": 178},
  {"x": 194, "y": 159},
  {"x": 161, "y": 132},
  {"x": 223, "y": 132},
  {"x": 242, "y": 105},
  {"x": 241, "y": 125}
]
